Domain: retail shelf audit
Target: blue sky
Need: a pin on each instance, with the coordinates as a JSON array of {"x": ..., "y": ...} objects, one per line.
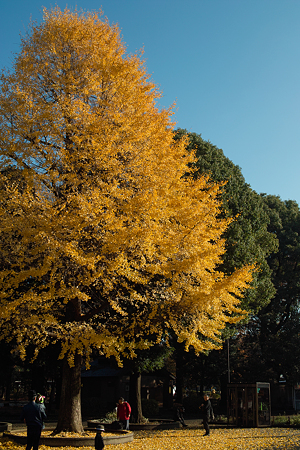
[{"x": 231, "y": 66}]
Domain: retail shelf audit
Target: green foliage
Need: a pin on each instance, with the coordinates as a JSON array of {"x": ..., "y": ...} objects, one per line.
[
  {"x": 147, "y": 361},
  {"x": 286, "y": 421},
  {"x": 109, "y": 417},
  {"x": 279, "y": 321},
  {"x": 269, "y": 345},
  {"x": 248, "y": 239}
]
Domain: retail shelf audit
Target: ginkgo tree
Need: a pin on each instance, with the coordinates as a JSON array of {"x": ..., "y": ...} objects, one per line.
[{"x": 106, "y": 243}]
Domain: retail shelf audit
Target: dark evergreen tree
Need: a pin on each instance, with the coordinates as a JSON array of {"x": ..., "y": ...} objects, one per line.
[
  {"x": 269, "y": 345},
  {"x": 248, "y": 239}
]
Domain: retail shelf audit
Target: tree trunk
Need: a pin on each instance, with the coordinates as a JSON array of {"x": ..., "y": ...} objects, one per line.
[
  {"x": 136, "y": 397},
  {"x": 179, "y": 355},
  {"x": 69, "y": 416},
  {"x": 8, "y": 385}
]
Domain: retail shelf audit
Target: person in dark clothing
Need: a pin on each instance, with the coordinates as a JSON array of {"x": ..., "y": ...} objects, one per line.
[
  {"x": 178, "y": 415},
  {"x": 99, "y": 443},
  {"x": 40, "y": 399},
  {"x": 33, "y": 415},
  {"x": 207, "y": 413}
]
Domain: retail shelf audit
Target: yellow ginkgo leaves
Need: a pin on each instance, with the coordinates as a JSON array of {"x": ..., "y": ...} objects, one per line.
[{"x": 106, "y": 240}]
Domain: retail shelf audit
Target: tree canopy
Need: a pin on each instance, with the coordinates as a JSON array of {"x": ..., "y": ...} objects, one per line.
[
  {"x": 248, "y": 239},
  {"x": 278, "y": 322},
  {"x": 107, "y": 241},
  {"x": 268, "y": 346}
]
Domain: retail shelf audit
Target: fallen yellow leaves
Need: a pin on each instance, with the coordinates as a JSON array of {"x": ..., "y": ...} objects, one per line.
[
  {"x": 220, "y": 439},
  {"x": 49, "y": 433}
]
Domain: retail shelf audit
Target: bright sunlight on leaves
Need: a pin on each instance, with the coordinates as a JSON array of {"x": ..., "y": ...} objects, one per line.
[{"x": 106, "y": 241}]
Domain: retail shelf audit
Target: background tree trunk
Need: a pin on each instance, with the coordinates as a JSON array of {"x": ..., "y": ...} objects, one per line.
[
  {"x": 69, "y": 417},
  {"x": 179, "y": 355},
  {"x": 136, "y": 397},
  {"x": 8, "y": 386}
]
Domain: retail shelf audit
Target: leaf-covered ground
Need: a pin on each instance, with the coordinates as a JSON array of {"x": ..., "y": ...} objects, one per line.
[{"x": 220, "y": 439}]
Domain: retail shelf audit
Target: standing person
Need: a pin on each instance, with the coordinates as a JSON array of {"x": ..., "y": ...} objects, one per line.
[
  {"x": 207, "y": 413},
  {"x": 99, "y": 443},
  {"x": 40, "y": 400},
  {"x": 123, "y": 412},
  {"x": 33, "y": 415}
]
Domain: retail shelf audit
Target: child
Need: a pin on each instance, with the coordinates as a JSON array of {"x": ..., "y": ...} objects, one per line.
[{"x": 99, "y": 443}]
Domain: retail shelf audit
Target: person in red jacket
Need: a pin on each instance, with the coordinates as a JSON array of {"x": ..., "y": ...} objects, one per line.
[{"x": 123, "y": 412}]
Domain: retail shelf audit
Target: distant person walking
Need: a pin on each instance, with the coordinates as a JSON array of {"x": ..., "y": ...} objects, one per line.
[
  {"x": 178, "y": 416},
  {"x": 207, "y": 413},
  {"x": 123, "y": 412},
  {"x": 33, "y": 415}
]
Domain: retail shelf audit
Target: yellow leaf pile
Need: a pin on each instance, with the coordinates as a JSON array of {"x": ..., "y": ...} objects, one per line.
[{"x": 193, "y": 439}]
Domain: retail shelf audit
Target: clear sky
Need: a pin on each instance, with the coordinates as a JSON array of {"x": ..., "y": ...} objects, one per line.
[{"x": 231, "y": 66}]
